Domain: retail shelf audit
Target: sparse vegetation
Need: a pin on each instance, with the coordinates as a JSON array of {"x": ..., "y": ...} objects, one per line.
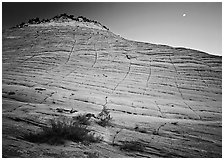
[
  {"x": 21, "y": 25},
  {"x": 132, "y": 146},
  {"x": 34, "y": 21},
  {"x": 45, "y": 21},
  {"x": 62, "y": 129},
  {"x": 92, "y": 154},
  {"x": 105, "y": 118},
  {"x": 82, "y": 119},
  {"x": 63, "y": 16}
]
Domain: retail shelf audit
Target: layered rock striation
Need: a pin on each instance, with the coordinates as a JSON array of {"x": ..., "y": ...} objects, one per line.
[{"x": 167, "y": 98}]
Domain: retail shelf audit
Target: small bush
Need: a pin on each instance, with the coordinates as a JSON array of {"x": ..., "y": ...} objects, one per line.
[
  {"x": 62, "y": 129},
  {"x": 82, "y": 119},
  {"x": 21, "y": 25},
  {"x": 45, "y": 20},
  {"x": 104, "y": 117},
  {"x": 34, "y": 21},
  {"x": 71, "y": 16},
  {"x": 132, "y": 146}
]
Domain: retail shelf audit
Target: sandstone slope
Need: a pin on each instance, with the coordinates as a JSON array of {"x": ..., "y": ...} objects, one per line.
[{"x": 169, "y": 99}]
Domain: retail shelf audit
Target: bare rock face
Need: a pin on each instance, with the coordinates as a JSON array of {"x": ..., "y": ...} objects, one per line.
[{"x": 167, "y": 99}]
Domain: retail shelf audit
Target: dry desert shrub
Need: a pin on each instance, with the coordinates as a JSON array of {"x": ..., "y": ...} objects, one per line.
[
  {"x": 104, "y": 117},
  {"x": 83, "y": 118},
  {"x": 61, "y": 129}
]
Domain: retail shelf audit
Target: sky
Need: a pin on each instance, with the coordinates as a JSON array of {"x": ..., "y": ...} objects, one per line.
[{"x": 178, "y": 24}]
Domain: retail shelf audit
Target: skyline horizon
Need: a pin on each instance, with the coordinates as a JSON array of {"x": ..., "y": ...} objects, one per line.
[
  {"x": 135, "y": 39},
  {"x": 175, "y": 33}
]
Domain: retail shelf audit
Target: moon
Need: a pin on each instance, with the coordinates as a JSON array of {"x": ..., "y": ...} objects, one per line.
[{"x": 184, "y": 14}]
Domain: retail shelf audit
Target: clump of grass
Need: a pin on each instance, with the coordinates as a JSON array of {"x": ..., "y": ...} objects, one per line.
[
  {"x": 105, "y": 118},
  {"x": 132, "y": 146},
  {"x": 62, "y": 129}
]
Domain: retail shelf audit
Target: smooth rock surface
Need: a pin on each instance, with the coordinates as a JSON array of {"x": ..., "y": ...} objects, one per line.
[{"x": 173, "y": 95}]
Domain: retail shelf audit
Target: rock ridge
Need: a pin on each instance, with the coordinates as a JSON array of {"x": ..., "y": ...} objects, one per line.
[{"x": 63, "y": 18}]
